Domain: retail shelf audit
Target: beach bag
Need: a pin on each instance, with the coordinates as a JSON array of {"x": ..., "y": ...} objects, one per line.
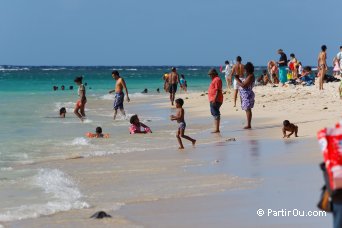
[
  {"x": 325, "y": 202},
  {"x": 330, "y": 140},
  {"x": 289, "y": 75}
]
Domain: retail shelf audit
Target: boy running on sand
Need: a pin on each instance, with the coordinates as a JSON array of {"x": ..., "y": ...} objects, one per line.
[{"x": 182, "y": 125}]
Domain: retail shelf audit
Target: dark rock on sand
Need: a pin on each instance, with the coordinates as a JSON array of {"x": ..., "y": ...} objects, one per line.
[{"x": 100, "y": 215}]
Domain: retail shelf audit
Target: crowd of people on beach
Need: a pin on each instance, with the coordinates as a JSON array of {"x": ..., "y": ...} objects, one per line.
[{"x": 240, "y": 80}]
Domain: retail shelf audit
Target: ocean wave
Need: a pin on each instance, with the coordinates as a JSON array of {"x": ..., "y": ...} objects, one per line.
[
  {"x": 80, "y": 141},
  {"x": 15, "y": 69},
  {"x": 68, "y": 105},
  {"x": 133, "y": 95},
  {"x": 53, "y": 69},
  {"x": 117, "y": 69},
  {"x": 193, "y": 69},
  {"x": 101, "y": 153},
  {"x": 131, "y": 69},
  {"x": 107, "y": 97},
  {"x": 55, "y": 183},
  {"x": 6, "y": 169}
]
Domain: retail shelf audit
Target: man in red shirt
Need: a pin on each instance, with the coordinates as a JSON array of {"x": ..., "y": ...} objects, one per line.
[{"x": 215, "y": 98}]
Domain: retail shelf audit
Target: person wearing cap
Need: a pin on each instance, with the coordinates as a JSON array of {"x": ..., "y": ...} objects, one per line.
[
  {"x": 282, "y": 63},
  {"x": 119, "y": 95},
  {"x": 173, "y": 81},
  {"x": 215, "y": 96}
]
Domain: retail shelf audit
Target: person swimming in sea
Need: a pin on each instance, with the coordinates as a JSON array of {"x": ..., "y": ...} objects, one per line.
[
  {"x": 136, "y": 126},
  {"x": 119, "y": 95},
  {"x": 98, "y": 134},
  {"x": 62, "y": 112}
]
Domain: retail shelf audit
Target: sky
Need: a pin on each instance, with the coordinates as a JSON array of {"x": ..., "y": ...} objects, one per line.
[{"x": 160, "y": 32}]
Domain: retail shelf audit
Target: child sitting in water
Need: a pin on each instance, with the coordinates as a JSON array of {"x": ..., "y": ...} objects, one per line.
[
  {"x": 182, "y": 125},
  {"x": 183, "y": 83},
  {"x": 136, "y": 126},
  {"x": 98, "y": 134},
  {"x": 62, "y": 112},
  {"x": 287, "y": 126}
]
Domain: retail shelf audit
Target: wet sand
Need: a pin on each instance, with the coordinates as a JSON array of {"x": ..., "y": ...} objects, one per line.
[{"x": 220, "y": 183}]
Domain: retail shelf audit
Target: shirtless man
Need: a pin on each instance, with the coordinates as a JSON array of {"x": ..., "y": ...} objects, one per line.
[
  {"x": 173, "y": 81},
  {"x": 322, "y": 66},
  {"x": 239, "y": 70},
  {"x": 119, "y": 95}
]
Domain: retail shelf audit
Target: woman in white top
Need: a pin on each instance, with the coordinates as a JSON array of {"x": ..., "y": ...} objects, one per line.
[{"x": 226, "y": 72}]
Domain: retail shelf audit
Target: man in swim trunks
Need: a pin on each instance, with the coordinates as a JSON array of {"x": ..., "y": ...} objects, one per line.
[
  {"x": 238, "y": 69},
  {"x": 322, "y": 66},
  {"x": 173, "y": 81},
  {"x": 119, "y": 95}
]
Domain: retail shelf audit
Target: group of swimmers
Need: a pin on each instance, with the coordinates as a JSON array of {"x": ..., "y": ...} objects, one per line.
[{"x": 136, "y": 126}]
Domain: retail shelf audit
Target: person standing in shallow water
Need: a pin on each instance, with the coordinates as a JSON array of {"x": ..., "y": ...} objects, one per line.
[
  {"x": 238, "y": 69},
  {"x": 119, "y": 95},
  {"x": 322, "y": 66},
  {"x": 173, "y": 81},
  {"x": 80, "y": 104},
  {"x": 215, "y": 96},
  {"x": 246, "y": 92},
  {"x": 282, "y": 63}
]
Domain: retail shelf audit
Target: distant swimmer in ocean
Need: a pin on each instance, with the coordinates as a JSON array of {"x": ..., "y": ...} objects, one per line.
[
  {"x": 80, "y": 104},
  {"x": 98, "y": 134},
  {"x": 120, "y": 85},
  {"x": 179, "y": 117},
  {"x": 137, "y": 127},
  {"x": 55, "y": 88},
  {"x": 62, "y": 112},
  {"x": 158, "y": 90},
  {"x": 62, "y": 87},
  {"x": 173, "y": 81},
  {"x": 287, "y": 126},
  {"x": 145, "y": 91}
]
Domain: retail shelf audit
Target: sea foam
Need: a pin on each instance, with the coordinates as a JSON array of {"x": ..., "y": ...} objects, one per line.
[
  {"x": 61, "y": 187},
  {"x": 80, "y": 141}
]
